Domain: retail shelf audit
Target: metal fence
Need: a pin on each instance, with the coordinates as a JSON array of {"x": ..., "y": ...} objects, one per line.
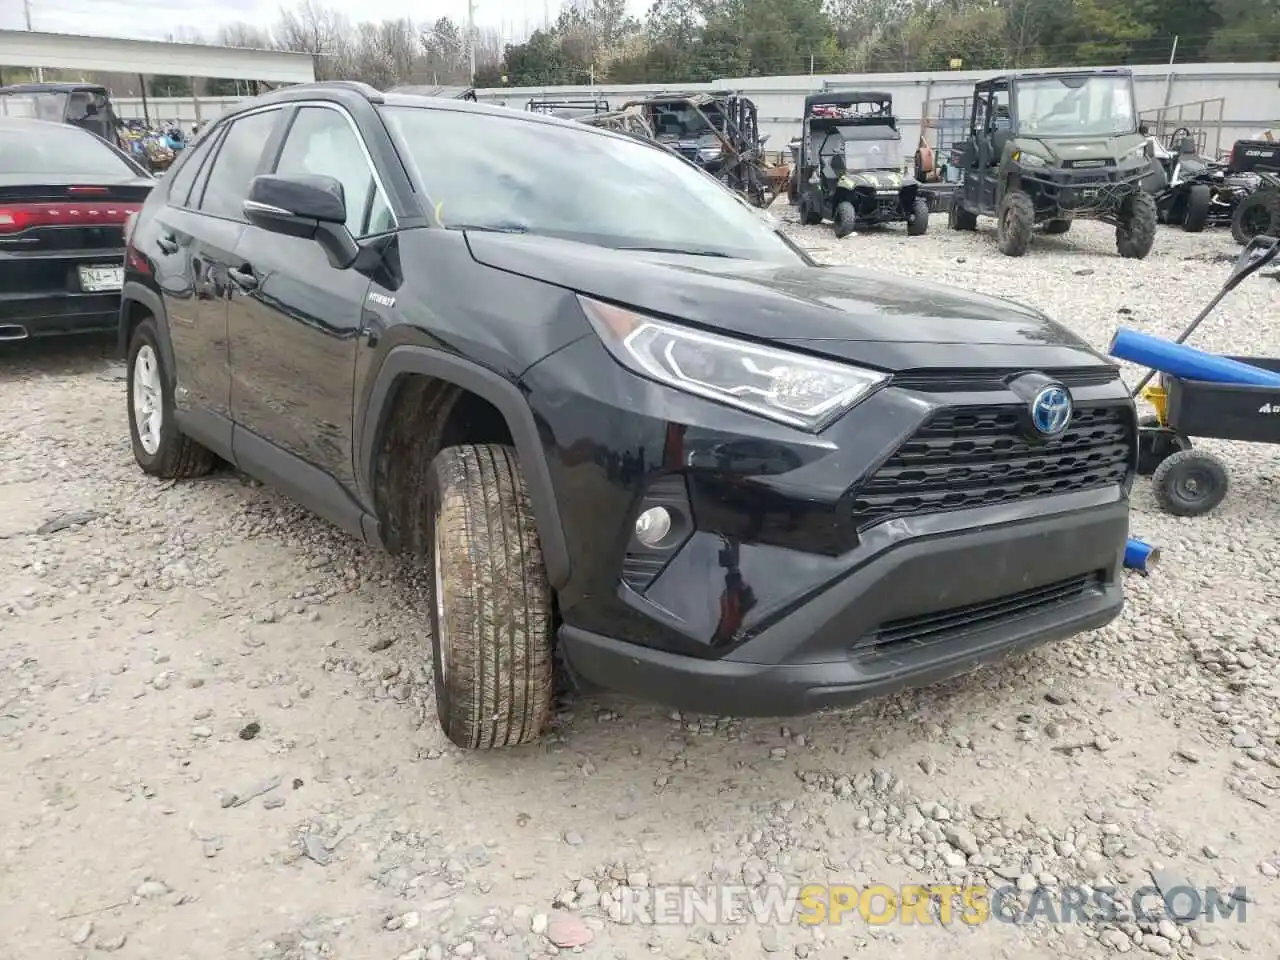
[{"x": 1202, "y": 119}]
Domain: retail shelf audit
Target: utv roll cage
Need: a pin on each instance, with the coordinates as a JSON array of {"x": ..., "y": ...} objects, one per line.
[{"x": 850, "y": 107}]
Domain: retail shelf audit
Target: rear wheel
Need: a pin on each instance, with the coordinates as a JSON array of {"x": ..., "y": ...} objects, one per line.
[
  {"x": 1017, "y": 218},
  {"x": 1190, "y": 483},
  {"x": 918, "y": 219},
  {"x": 1136, "y": 226},
  {"x": 159, "y": 447},
  {"x": 1257, "y": 215},
  {"x": 959, "y": 218},
  {"x": 491, "y": 615},
  {"x": 846, "y": 219},
  {"x": 1199, "y": 199},
  {"x": 1057, "y": 226}
]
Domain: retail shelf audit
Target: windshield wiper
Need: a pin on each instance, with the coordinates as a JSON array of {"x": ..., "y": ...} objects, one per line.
[
  {"x": 500, "y": 227},
  {"x": 686, "y": 251}
]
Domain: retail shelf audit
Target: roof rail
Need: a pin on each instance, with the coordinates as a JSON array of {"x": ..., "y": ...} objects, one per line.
[{"x": 372, "y": 94}]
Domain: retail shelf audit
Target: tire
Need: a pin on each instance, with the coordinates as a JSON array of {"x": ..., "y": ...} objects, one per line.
[
  {"x": 1057, "y": 227},
  {"x": 958, "y": 218},
  {"x": 846, "y": 219},
  {"x": 1256, "y": 215},
  {"x": 1016, "y": 219},
  {"x": 159, "y": 447},
  {"x": 1136, "y": 226},
  {"x": 1190, "y": 483},
  {"x": 808, "y": 216},
  {"x": 918, "y": 221},
  {"x": 1199, "y": 200},
  {"x": 491, "y": 611}
]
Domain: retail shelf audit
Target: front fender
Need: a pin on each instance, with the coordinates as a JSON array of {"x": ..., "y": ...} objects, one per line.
[{"x": 409, "y": 360}]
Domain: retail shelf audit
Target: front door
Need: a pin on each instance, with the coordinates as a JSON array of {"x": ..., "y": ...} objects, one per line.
[{"x": 295, "y": 320}]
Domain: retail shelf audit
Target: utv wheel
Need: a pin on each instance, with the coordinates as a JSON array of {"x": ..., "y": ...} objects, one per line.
[
  {"x": 1190, "y": 483},
  {"x": 1136, "y": 226},
  {"x": 491, "y": 610},
  {"x": 1199, "y": 199},
  {"x": 1054, "y": 227},
  {"x": 808, "y": 216},
  {"x": 159, "y": 447},
  {"x": 958, "y": 218},
  {"x": 846, "y": 219},
  {"x": 1017, "y": 218},
  {"x": 1257, "y": 215},
  {"x": 793, "y": 189},
  {"x": 918, "y": 219}
]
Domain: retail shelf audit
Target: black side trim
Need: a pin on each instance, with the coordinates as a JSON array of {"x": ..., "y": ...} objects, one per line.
[
  {"x": 502, "y": 393},
  {"x": 308, "y": 486},
  {"x": 209, "y": 429},
  {"x": 135, "y": 292}
]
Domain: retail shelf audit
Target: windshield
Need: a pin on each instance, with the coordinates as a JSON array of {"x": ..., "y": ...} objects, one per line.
[
  {"x": 1075, "y": 106},
  {"x": 871, "y": 148},
  {"x": 36, "y": 106},
  {"x": 59, "y": 150},
  {"x": 575, "y": 183}
]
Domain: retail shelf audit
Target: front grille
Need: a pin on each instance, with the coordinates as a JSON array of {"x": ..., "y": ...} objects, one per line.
[
  {"x": 951, "y": 381},
  {"x": 899, "y": 636},
  {"x": 978, "y": 456}
]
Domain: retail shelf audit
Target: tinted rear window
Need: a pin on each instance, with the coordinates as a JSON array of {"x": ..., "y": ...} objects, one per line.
[{"x": 59, "y": 150}]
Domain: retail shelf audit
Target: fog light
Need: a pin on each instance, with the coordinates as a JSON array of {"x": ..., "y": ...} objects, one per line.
[{"x": 653, "y": 525}]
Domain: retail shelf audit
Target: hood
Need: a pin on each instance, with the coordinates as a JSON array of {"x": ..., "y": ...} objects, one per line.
[
  {"x": 878, "y": 179},
  {"x": 863, "y": 316},
  {"x": 1086, "y": 148}
]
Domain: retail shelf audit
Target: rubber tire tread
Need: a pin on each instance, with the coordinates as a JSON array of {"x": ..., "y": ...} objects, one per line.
[
  {"x": 846, "y": 219},
  {"x": 1016, "y": 242},
  {"x": 178, "y": 456},
  {"x": 1161, "y": 484},
  {"x": 497, "y": 603},
  {"x": 1266, "y": 198},
  {"x": 1199, "y": 200},
  {"x": 1136, "y": 231},
  {"x": 918, "y": 225}
]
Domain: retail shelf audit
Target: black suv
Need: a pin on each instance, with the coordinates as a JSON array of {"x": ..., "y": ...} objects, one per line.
[{"x": 630, "y": 426}]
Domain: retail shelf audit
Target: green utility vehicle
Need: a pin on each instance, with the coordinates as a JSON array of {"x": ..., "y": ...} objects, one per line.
[{"x": 1044, "y": 149}]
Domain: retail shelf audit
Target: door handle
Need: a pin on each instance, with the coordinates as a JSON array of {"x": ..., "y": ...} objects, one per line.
[
  {"x": 168, "y": 243},
  {"x": 243, "y": 278}
]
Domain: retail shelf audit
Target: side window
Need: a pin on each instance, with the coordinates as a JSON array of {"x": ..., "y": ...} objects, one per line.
[
  {"x": 235, "y": 165},
  {"x": 322, "y": 142},
  {"x": 189, "y": 165}
]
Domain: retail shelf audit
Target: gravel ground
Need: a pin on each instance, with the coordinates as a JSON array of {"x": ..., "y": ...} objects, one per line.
[{"x": 212, "y": 739}]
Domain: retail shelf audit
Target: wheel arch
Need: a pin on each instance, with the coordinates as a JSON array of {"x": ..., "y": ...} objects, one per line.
[
  {"x": 407, "y": 361},
  {"x": 138, "y": 302}
]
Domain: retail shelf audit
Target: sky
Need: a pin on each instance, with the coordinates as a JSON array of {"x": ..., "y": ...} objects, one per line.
[{"x": 157, "y": 19}]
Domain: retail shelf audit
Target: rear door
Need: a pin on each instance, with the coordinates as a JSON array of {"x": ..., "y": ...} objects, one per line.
[
  {"x": 195, "y": 236},
  {"x": 295, "y": 321}
]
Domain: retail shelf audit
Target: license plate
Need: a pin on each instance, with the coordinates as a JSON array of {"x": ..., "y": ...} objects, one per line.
[{"x": 101, "y": 279}]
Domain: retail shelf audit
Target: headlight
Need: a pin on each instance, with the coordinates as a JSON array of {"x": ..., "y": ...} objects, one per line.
[
  {"x": 788, "y": 387},
  {"x": 1028, "y": 159}
]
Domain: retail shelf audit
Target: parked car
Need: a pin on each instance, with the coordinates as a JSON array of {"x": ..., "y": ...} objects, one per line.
[
  {"x": 629, "y": 427},
  {"x": 65, "y": 195}
]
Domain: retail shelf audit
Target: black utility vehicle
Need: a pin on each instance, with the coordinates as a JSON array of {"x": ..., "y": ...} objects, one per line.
[
  {"x": 1258, "y": 214},
  {"x": 848, "y": 165},
  {"x": 65, "y": 195},
  {"x": 84, "y": 105},
  {"x": 1049, "y": 148},
  {"x": 630, "y": 427}
]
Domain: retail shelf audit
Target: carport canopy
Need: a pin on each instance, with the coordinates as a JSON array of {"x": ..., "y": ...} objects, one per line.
[{"x": 22, "y": 48}]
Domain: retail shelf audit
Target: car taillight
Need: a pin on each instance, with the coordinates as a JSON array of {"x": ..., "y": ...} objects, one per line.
[{"x": 17, "y": 217}]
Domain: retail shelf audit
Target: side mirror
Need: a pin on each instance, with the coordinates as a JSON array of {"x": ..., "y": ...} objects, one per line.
[{"x": 309, "y": 207}]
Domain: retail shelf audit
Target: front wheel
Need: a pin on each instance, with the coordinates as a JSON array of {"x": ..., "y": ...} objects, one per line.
[
  {"x": 1190, "y": 483},
  {"x": 1199, "y": 200},
  {"x": 846, "y": 219},
  {"x": 491, "y": 611},
  {"x": 918, "y": 219},
  {"x": 1136, "y": 226},
  {"x": 1017, "y": 218}
]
